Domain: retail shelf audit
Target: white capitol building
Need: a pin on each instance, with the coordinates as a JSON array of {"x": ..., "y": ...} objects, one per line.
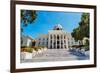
[
  {"x": 56, "y": 41},
  {"x": 56, "y": 38}
]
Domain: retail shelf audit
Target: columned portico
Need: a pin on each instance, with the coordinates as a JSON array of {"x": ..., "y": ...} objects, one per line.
[{"x": 57, "y": 38}]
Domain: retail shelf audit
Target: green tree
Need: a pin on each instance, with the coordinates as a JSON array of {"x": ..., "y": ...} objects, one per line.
[
  {"x": 27, "y": 17},
  {"x": 84, "y": 24},
  {"x": 87, "y": 44},
  {"x": 77, "y": 34},
  {"x": 83, "y": 29}
]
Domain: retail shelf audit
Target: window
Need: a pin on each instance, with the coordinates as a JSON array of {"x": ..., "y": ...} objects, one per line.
[
  {"x": 64, "y": 41},
  {"x": 68, "y": 42},
  {"x": 72, "y": 43},
  {"x": 61, "y": 46},
  {"x": 57, "y": 36},
  {"x": 43, "y": 38},
  {"x": 54, "y": 36},
  {"x": 51, "y": 46},
  {"x": 57, "y": 42},
  {"x": 21, "y": 40},
  {"x": 39, "y": 38},
  {"x": 51, "y": 41},
  {"x": 39, "y": 43},
  {"x": 51, "y": 36},
  {"x": 64, "y": 37},
  {"x": 54, "y": 46},
  {"x": 54, "y": 42},
  {"x": 42, "y": 43}
]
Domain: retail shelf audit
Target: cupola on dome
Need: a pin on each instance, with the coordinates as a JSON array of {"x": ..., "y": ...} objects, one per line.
[{"x": 58, "y": 27}]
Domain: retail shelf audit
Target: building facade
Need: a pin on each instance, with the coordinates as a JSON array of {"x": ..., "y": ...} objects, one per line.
[
  {"x": 56, "y": 38},
  {"x": 26, "y": 41},
  {"x": 42, "y": 40}
]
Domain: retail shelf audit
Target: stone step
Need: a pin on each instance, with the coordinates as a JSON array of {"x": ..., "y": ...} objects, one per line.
[{"x": 54, "y": 53}]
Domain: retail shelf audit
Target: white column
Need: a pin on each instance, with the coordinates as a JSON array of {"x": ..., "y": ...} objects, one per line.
[
  {"x": 49, "y": 41},
  {"x": 56, "y": 41},
  {"x": 52, "y": 41},
  {"x": 63, "y": 42},
  {"x": 67, "y": 43},
  {"x": 60, "y": 41}
]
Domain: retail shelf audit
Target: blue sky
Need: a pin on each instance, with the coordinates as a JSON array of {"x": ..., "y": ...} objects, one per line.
[{"x": 46, "y": 20}]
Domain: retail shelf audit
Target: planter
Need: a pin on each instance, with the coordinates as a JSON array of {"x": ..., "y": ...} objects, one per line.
[{"x": 26, "y": 55}]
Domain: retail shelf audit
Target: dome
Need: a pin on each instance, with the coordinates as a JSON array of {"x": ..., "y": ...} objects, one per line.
[{"x": 58, "y": 27}]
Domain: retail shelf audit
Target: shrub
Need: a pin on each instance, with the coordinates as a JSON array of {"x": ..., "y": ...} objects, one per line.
[
  {"x": 23, "y": 46},
  {"x": 30, "y": 50},
  {"x": 27, "y": 50},
  {"x": 22, "y": 49}
]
